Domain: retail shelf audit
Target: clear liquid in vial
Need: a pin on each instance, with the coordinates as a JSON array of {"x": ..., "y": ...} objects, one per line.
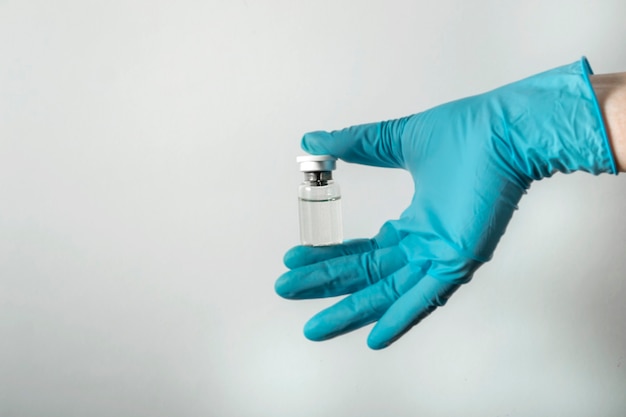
[{"x": 320, "y": 222}]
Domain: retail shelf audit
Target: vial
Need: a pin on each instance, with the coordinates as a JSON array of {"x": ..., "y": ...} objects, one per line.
[{"x": 319, "y": 202}]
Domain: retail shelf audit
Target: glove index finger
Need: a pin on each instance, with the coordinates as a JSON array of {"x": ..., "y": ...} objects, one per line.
[
  {"x": 299, "y": 256},
  {"x": 376, "y": 144}
]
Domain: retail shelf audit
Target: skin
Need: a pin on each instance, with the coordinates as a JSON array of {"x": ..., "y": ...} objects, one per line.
[{"x": 610, "y": 90}]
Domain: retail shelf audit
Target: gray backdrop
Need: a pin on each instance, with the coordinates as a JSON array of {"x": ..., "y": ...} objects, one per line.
[{"x": 148, "y": 192}]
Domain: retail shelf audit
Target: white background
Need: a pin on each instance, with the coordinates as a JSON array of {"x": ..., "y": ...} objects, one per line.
[{"x": 147, "y": 195}]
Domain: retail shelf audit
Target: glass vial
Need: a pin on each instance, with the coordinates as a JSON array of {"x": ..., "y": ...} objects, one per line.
[{"x": 319, "y": 202}]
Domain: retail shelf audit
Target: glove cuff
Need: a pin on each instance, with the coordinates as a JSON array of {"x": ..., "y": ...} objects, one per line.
[
  {"x": 605, "y": 152},
  {"x": 555, "y": 123}
]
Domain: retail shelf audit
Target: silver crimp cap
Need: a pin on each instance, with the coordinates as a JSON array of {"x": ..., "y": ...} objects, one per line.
[{"x": 317, "y": 163}]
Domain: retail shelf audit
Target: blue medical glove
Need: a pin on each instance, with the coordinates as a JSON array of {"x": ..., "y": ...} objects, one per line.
[{"x": 471, "y": 161}]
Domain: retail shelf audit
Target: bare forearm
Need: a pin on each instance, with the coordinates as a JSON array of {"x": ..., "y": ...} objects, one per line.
[{"x": 611, "y": 92}]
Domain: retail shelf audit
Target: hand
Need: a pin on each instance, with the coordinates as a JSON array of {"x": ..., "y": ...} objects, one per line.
[{"x": 471, "y": 161}]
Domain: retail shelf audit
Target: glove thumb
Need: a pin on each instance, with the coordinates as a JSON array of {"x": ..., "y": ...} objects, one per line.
[{"x": 376, "y": 144}]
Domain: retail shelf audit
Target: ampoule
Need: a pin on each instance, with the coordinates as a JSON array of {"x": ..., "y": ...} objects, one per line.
[{"x": 319, "y": 202}]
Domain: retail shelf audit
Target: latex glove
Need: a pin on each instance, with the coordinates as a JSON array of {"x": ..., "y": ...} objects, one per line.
[{"x": 471, "y": 161}]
